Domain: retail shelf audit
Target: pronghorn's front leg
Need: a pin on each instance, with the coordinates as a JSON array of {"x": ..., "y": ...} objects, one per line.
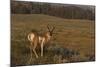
[{"x": 42, "y": 47}]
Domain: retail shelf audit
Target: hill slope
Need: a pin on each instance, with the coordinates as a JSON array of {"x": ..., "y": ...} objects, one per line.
[{"x": 70, "y": 35}]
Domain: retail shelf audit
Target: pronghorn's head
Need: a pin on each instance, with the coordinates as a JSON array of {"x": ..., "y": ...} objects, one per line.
[{"x": 50, "y": 31}]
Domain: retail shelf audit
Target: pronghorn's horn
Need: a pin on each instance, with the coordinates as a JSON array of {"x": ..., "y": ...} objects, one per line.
[
  {"x": 52, "y": 29},
  {"x": 48, "y": 27}
]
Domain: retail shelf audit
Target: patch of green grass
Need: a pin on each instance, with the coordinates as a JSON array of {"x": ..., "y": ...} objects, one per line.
[{"x": 73, "y": 41}]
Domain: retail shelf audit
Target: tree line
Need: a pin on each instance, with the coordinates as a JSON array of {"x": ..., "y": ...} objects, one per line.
[{"x": 58, "y": 10}]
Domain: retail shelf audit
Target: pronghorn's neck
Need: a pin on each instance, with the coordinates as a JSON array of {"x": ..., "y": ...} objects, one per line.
[{"x": 46, "y": 37}]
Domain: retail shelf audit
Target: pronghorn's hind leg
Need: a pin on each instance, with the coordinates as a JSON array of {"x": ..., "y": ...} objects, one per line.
[
  {"x": 30, "y": 55},
  {"x": 34, "y": 47},
  {"x": 35, "y": 53}
]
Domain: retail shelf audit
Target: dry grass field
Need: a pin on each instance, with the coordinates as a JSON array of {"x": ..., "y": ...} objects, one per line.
[{"x": 73, "y": 39}]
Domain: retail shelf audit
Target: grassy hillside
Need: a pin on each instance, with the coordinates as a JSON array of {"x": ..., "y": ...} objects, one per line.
[{"x": 73, "y": 40}]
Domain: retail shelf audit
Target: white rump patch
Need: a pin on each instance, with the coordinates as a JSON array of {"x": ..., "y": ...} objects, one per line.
[{"x": 31, "y": 37}]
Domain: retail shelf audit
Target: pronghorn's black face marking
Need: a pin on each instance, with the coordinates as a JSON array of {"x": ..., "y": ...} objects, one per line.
[
  {"x": 51, "y": 33},
  {"x": 50, "y": 30}
]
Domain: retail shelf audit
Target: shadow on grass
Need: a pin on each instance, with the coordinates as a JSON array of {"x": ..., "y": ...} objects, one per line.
[
  {"x": 53, "y": 54},
  {"x": 56, "y": 49}
]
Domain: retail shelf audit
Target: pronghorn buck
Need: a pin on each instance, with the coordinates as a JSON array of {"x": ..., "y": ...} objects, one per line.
[{"x": 36, "y": 39}]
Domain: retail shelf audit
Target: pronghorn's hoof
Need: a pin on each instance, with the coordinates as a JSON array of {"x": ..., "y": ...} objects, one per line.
[
  {"x": 37, "y": 57},
  {"x": 41, "y": 55}
]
